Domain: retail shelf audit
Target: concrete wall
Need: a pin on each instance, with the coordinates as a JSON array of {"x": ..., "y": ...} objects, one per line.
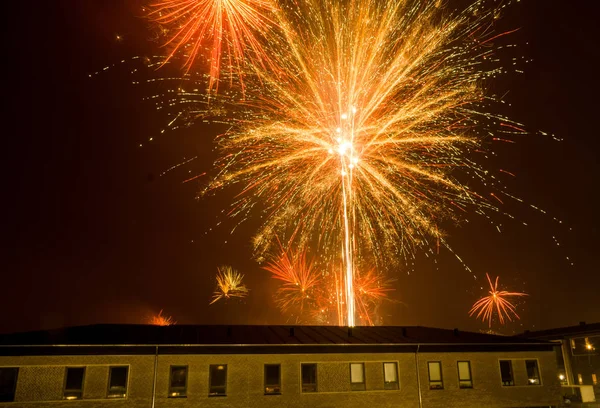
[{"x": 41, "y": 381}]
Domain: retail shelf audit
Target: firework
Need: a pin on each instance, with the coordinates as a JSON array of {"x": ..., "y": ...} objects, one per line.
[
  {"x": 229, "y": 284},
  {"x": 300, "y": 279},
  {"x": 216, "y": 29},
  {"x": 357, "y": 140},
  {"x": 161, "y": 320},
  {"x": 495, "y": 303}
]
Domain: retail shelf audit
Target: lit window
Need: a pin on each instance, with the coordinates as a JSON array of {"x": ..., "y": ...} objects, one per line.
[
  {"x": 117, "y": 382},
  {"x": 74, "y": 383},
  {"x": 435, "y": 375},
  {"x": 309, "y": 377},
  {"x": 390, "y": 376},
  {"x": 272, "y": 379},
  {"x": 357, "y": 376},
  {"x": 8, "y": 383},
  {"x": 533, "y": 372},
  {"x": 464, "y": 374},
  {"x": 178, "y": 382},
  {"x": 594, "y": 379},
  {"x": 580, "y": 379},
  {"x": 218, "y": 380},
  {"x": 506, "y": 373}
]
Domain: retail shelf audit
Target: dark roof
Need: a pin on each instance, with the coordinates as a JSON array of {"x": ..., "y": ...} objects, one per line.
[
  {"x": 112, "y": 334},
  {"x": 580, "y": 330}
]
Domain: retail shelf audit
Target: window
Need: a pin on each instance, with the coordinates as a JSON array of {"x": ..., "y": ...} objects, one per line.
[
  {"x": 464, "y": 374},
  {"x": 435, "y": 375},
  {"x": 218, "y": 380},
  {"x": 533, "y": 372},
  {"x": 357, "y": 376},
  {"x": 580, "y": 379},
  {"x": 117, "y": 382},
  {"x": 8, "y": 383},
  {"x": 390, "y": 376},
  {"x": 74, "y": 383},
  {"x": 506, "y": 373},
  {"x": 178, "y": 382},
  {"x": 309, "y": 377},
  {"x": 272, "y": 379},
  {"x": 594, "y": 380}
]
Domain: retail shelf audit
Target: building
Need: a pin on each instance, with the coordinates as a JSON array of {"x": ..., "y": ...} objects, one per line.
[
  {"x": 274, "y": 366},
  {"x": 577, "y": 355}
]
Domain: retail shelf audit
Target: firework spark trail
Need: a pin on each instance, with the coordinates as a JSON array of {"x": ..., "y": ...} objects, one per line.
[
  {"x": 229, "y": 284},
  {"x": 233, "y": 27},
  {"x": 353, "y": 147},
  {"x": 495, "y": 302}
]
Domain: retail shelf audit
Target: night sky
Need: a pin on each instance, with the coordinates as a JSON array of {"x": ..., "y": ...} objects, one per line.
[{"x": 95, "y": 234}]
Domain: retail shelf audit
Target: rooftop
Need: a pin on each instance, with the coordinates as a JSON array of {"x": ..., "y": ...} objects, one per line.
[
  {"x": 113, "y": 334},
  {"x": 582, "y": 329}
]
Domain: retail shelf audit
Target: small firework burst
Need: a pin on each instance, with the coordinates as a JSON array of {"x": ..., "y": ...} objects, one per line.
[
  {"x": 496, "y": 303},
  {"x": 161, "y": 320},
  {"x": 229, "y": 284},
  {"x": 299, "y": 279}
]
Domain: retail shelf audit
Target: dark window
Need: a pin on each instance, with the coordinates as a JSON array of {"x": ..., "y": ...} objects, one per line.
[
  {"x": 390, "y": 376},
  {"x": 8, "y": 383},
  {"x": 533, "y": 373},
  {"x": 74, "y": 383},
  {"x": 435, "y": 375},
  {"x": 506, "y": 373},
  {"x": 117, "y": 382},
  {"x": 309, "y": 377},
  {"x": 218, "y": 380},
  {"x": 357, "y": 376},
  {"x": 272, "y": 379},
  {"x": 464, "y": 374},
  {"x": 178, "y": 382}
]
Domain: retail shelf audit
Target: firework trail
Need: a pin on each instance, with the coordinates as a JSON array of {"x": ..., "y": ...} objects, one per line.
[
  {"x": 229, "y": 284},
  {"x": 161, "y": 320},
  {"x": 495, "y": 303},
  {"x": 358, "y": 138},
  {"x": 229, "y": 30}
]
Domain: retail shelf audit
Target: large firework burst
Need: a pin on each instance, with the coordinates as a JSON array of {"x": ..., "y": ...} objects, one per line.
[
  {"x": 495, "y": 303},
  {"x": 357, "y": 136}
]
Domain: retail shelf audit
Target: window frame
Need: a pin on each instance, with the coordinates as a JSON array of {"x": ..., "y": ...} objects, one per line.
[
  {"x": 537, "y": 369},
  {"x": 14, "y": 388},
  {"x": 355, "y": 385},
  {"x": 125, "y": 388},
  {"x": 391, "y": 385},
  {"x": 176, "y": 392},
  {"x": 512, "y": 373},
  {"x": 303, "y": 384},
  {"x": 461, "y": 380},
  {"x": 211, "y": 393},
  {"x": 441, "y": 381},
  {"x": 266, "y": 384},
  {"x": 77, "y": 394}
]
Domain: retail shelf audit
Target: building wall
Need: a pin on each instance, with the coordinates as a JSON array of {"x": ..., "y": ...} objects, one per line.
[{"x": 41, "y": 381}]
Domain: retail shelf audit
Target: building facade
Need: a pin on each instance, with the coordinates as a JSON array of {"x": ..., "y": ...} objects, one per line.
[
  {"x": 274, "y": 366},
  {"x": 577, "y": 355}
]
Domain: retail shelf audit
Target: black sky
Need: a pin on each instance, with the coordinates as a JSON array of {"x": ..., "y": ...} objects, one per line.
[{"x": 95, "y": 234}]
